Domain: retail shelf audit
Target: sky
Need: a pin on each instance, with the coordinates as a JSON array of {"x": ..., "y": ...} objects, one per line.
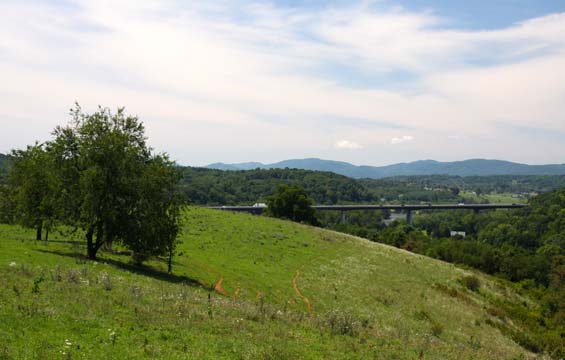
[{"x": 368, "y": 82}]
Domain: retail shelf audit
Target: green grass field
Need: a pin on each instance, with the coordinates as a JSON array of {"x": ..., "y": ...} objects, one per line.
[
  {"x": 245, "y": 287},
  {"x": 495, "y": 198}
]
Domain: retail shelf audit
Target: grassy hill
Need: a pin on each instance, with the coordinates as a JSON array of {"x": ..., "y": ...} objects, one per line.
[{"x": 247, "y": 287}]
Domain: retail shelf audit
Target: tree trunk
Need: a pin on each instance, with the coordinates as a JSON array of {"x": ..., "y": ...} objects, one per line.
[
  {"x": 108, "y": 244},
  {"x": 39, "y": 230},
  {"x": 170, "y": 261},
  {"x": 95, "y": 246},
  {"x": 47, "y": 235},
  {"x": 90, "y": 249}
]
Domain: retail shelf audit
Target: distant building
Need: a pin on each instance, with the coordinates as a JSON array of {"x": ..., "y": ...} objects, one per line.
[{"x": 457, "y": 233}]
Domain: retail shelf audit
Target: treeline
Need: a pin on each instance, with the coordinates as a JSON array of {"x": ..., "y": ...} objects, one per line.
[
  {"x": 515, "y": 184},
  {"x": 245, "y": 187},
  {"x": 216, "y": 187}
]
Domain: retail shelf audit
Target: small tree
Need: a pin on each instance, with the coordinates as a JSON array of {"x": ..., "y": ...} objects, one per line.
[
  {"x": 33, "y": 189},
  {"x": 291, "y": 203}
]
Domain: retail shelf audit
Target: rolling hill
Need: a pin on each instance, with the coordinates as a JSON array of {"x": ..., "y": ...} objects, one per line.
[
  {"x": 472, "y": 167},
  {"x": 248, "y": 287}
]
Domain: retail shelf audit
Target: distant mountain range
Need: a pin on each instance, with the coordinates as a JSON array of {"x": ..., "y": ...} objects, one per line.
[{"x": 472, "y": 167}]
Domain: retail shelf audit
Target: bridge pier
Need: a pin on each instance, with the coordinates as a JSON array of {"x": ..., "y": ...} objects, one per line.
[
  {"x": 342, "y": 217},
  {"x": 409, "y": 219}
]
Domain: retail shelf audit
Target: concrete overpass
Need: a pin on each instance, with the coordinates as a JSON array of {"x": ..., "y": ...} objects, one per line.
[{"x": 407, "y": 208}]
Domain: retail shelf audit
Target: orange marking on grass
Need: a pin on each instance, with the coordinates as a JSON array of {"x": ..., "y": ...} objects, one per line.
[
  {"x": 218, "y": 287},
  {"x": 297, "y": 291}
]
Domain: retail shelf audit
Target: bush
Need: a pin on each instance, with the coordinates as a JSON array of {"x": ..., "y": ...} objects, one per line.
[
  {"x": 471, "y": 282},
  {"x": 341, "y": 323},
  {"x": 437, "y": 329}
]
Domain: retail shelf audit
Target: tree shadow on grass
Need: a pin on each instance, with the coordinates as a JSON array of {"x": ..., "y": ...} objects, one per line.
[
  {"x": 137, "y": 269},
  {"x": 68, "y": 242}
]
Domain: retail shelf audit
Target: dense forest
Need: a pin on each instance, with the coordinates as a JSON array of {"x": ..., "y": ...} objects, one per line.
[
  {"x": 216, "y": 187},
  {"x": 245, "y": 187},
  {"x": 4, "y": 163}
]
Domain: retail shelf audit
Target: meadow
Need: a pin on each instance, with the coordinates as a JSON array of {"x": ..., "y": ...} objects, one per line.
[
  {"x": 247, "y": 287},
  {"x": 494, "y": 198}
]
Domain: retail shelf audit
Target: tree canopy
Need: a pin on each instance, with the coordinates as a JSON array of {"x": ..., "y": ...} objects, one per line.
[
  {"x": 291, "y": 202},
  {"x": 98, "y": 174}
]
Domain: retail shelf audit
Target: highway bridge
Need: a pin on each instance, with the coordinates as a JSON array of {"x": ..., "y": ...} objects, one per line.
[{"x": 406, "y": 208}]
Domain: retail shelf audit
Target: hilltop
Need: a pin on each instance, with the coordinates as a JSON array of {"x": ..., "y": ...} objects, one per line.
[
  {"x": 471, "y": 167},
  {"x": 287, "y": 291}
]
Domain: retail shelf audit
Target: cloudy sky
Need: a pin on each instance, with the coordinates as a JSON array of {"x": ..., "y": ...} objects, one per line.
[{"x": 369, "y": 82}]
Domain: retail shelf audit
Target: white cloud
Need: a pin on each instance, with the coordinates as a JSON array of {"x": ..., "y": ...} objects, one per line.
[
  {"x": 213, "y": 82},
  {"x": 398, "y": 140},
  {"x": 349, "y": 145}
]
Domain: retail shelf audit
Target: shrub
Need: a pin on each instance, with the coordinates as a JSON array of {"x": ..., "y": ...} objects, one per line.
[
  {"x": 437, "y": 329},
  {"x": 73, "y": 276},
  {"x": 471, "y": 282},
  {"x": 422, "y": 315},
  {"x": 341, "y": 323},
  {"x": 105, "y": 281}
]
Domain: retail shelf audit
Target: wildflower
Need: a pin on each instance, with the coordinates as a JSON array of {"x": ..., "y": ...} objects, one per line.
[
  {"x": 13, "y": 264},
  {"x": 68, "y": 343}
]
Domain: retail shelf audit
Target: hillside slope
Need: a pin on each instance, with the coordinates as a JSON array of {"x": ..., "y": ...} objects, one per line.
[
  {"x": 278, "y": 290},
  {"x": 471, "y": 167}
]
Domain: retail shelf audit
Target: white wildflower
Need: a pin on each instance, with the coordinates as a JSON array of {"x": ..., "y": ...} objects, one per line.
[{"x": 13, "y": 264}]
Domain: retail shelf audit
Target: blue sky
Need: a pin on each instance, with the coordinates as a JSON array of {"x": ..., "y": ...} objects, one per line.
[
  {"x": 475, "y": 14},
  {"x": 369, "y": 82},
  {"x": 487, "y": 14}
]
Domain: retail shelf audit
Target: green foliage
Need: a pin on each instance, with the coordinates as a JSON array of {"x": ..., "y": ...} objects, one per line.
[
  {"x": 31, "y": 193},
  {"x": 98, "y": 174},
  {"x": 471, "y": 282},
  {"x": 116, "y": 189},
  {"x": 291, "y": 203},
  {"x": 216, "y": 187}
]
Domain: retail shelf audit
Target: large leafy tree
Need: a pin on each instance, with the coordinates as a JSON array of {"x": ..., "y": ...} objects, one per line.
[
  {"x": 292, "y": 202},
  {"x": 113, "y": 186}
]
